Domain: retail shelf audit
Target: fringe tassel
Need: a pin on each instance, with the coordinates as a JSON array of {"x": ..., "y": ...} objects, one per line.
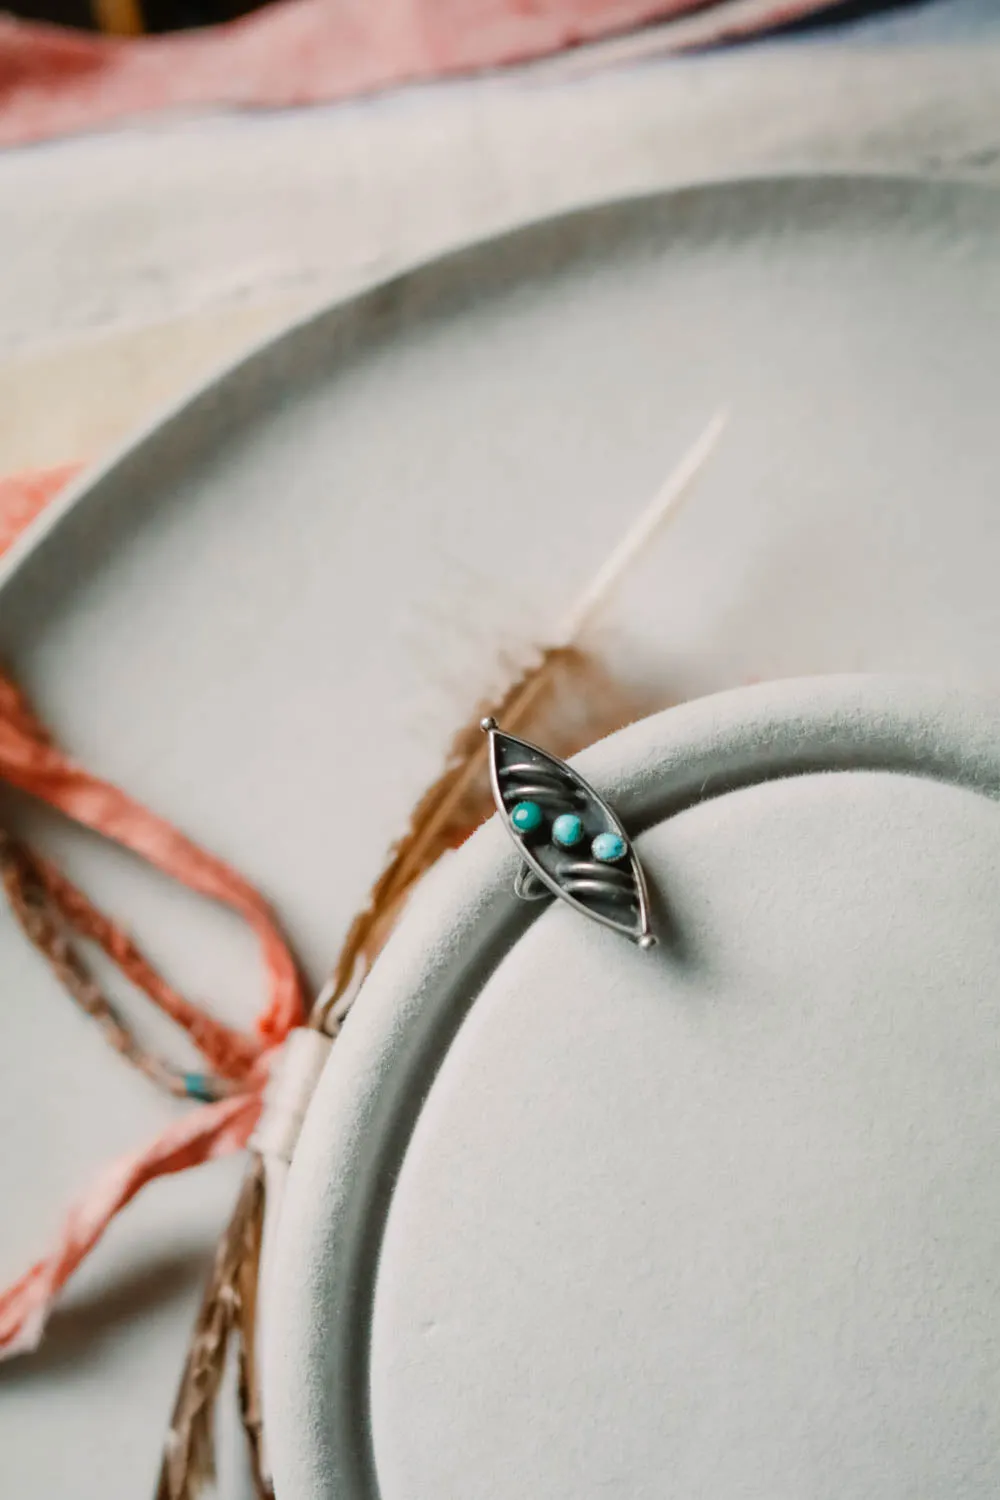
[{"x": 228, "y": 1308}]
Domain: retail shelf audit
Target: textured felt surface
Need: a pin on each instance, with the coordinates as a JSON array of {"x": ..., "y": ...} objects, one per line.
[{"x": 569, "y": 1218}]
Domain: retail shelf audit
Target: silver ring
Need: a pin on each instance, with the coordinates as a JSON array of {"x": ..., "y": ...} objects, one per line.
[{"x": 571, "y": 842}]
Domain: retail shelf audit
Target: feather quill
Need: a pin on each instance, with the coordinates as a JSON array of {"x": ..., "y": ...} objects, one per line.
[{"x": 565, "y": 698}]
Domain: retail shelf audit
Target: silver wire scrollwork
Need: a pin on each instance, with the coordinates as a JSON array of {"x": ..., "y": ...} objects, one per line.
[{"x": 612, "y": 892}]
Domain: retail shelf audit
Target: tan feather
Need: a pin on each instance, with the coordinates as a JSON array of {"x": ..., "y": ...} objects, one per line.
[
  {"x": 565, "y": 698},
  {"x": 227, "y": 1306},
  {"x": 248, "y": 1288}
]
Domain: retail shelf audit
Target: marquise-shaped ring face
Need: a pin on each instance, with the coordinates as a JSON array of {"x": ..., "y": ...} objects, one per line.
[{"x": 571, "y": 841}]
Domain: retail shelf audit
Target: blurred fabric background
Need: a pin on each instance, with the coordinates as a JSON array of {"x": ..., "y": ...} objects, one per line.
[{"x": 130, "y": 17}]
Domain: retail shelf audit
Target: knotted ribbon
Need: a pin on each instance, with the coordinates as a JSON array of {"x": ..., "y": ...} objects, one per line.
[{"x": 32, "y": 763}]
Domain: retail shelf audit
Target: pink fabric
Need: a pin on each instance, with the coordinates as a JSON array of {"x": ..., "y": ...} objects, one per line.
[
  {"x": 215, "y": 1130},
  {"x": 23, "y": 496},
  {"x": 31, "y": 762},
  {"x": 54, "y": 81}
]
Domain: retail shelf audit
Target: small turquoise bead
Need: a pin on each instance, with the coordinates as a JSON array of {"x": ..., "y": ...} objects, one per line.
[
  {"x": 526, "y": 817},
  {"x": 199, "y": 1086},
  {"x": 607, "y": 847},
  {"x": 567, "y": 830}
]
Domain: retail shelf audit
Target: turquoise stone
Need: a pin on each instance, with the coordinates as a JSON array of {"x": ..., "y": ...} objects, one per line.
[
  {"x": 607, "y": 847},
  {"x": 199, "y": 1086},
  {"x": 567, "y": 830},
  {"x": 526, "y": 817}
]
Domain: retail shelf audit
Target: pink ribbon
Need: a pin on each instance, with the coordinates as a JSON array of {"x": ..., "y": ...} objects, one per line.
[{"x": 32, "y": 763}]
